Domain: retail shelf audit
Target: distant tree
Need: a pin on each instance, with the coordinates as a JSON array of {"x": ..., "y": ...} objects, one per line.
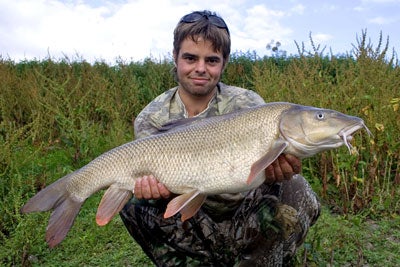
[{"x": 275, "y": 49}]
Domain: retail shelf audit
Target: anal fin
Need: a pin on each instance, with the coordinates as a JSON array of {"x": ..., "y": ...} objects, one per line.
[
  {"x": 192, "y": 207},
  {"x": 187, "y": 204}
]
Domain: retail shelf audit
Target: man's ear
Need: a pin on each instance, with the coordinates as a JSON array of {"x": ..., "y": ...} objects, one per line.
[
  {"x": 225, "y": 63},
  {"x": 175, "y": 55}
]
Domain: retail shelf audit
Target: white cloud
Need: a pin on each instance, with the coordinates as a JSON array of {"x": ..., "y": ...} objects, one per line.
[
  {"x": 135, "y": 29},
  {"x": 43, "y": 25},
  {"x": 381, "y": 1},
  {"x": 106, "y": 32},
  {"x": 259, "y": 26},
  {"x": 329, "y": 7},
  {"x": 130, "y": 30},
  {"x": 321, "y": 37},
  {"x": 359, "y": 9},
  {"x": 374, "y": 5},
  {"x": 298, "y": 9},
  {"x": 382, "y": 20}
]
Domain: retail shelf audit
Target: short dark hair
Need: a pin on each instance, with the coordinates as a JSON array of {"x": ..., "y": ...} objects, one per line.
[{"x": 205, "y": 24}]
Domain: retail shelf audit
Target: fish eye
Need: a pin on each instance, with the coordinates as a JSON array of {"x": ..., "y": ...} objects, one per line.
[{"x": 320, "y": 115}]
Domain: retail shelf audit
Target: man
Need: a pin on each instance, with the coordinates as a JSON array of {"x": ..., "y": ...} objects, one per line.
[{"x": 262, "y": 227}]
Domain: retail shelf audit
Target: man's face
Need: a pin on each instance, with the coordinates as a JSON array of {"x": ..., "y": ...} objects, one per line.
[{"x": 199, "y": 67}]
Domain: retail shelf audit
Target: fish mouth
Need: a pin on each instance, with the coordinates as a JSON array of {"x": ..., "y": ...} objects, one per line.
[{"x": 346, "y": 133}]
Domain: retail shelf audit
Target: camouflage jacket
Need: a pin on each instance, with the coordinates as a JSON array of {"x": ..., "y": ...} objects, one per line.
[{"x": 168, "y": 107}]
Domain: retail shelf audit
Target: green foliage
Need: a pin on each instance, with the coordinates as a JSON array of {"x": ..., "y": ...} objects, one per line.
[
  {"x": 56, "y": 116},
  {"x": 351, "y": 240}
]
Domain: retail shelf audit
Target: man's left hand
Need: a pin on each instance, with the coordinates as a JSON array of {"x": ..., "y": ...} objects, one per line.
[{"x": 283, "y": 168}]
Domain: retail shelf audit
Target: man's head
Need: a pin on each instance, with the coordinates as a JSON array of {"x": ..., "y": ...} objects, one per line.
[
  {"x": 201, "y": 51},
  {"x": 207, "y": 26}
]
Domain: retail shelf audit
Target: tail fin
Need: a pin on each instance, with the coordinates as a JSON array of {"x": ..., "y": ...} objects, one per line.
[{"x": 55, "y": 197}]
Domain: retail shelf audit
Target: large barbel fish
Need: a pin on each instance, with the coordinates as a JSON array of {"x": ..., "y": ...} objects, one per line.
[{"x": 222, "y": 154}]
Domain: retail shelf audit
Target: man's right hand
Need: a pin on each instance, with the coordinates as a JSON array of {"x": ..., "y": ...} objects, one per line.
[{"x": 147, "y": 187}]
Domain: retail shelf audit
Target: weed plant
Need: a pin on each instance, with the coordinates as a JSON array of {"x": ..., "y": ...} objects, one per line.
[{"x": 57, "y": 115}]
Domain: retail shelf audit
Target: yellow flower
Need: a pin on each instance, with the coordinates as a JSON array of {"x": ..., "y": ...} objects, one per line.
[
  {"x": 395, "y": 103},
  {"x": 380, "y": 127}
]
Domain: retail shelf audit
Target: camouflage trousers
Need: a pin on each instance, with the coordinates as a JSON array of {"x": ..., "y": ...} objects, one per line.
[{"x": 266, "y": 229}]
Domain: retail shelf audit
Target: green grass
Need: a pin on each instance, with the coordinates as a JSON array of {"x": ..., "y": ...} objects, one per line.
[
  {"x": 56, "y": 116},
  {"x": 86, "y": 244},
  {"x": 352, "y": 240}
]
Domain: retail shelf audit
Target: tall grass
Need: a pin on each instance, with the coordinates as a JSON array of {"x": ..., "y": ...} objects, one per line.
[
  {"x": 56, "y": 116},
  {"x": 364, "y": 84}
]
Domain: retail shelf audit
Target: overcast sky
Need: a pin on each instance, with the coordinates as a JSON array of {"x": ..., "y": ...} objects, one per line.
[{"x": 133, "y": 30}]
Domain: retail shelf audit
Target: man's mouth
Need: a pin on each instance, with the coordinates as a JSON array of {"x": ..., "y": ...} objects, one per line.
[{"x": 199, "y": 81}]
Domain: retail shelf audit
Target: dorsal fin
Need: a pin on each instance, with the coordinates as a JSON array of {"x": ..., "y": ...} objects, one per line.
[{"x": 177, "y": 124}]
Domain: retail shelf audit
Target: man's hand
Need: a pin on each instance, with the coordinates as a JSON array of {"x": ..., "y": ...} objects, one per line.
[
  {"x": 283, "y": 168},
  {"x": 148, "y": 187}
]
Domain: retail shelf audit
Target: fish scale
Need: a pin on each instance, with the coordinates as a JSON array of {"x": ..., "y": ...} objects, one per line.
[{"x": 192, "y": 148}]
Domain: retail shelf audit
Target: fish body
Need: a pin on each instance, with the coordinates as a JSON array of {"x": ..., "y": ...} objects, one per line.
[{"x": 222, "y": 154}]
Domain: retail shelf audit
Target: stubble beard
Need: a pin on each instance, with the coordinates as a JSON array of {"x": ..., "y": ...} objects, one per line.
[{"x": 191, "y": 89}]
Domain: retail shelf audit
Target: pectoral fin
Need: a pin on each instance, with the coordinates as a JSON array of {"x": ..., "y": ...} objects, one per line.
[
  {"x": 112, "y": 202},
  {"x": 187, "y": 204},
  {"x": 260, "y": 165}
]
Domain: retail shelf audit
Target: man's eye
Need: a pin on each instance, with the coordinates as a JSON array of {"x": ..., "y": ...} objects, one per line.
[
  {"x": 213, "y": 60},
  {"x": 190, "y": 58}
]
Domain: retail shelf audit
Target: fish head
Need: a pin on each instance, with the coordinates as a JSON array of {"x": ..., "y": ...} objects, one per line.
[{"x": 311, "y": 130}]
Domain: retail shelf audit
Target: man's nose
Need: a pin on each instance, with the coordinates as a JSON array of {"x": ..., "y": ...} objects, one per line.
[{"x": 201, "y": 66}]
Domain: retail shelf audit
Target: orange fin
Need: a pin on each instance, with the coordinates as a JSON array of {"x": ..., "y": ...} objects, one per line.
[
  {"x": 188, "y": 204},
  {"x": 260, "y": 165},
  {"x": 112, "y": 202},
  {"x": 192, "y": 207}
]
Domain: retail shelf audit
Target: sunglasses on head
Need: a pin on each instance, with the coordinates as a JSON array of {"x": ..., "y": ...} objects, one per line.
[{"x": 212, "y": 18}]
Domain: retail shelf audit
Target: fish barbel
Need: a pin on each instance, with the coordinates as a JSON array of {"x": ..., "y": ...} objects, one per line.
[{"x": 221, "y": 154}]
